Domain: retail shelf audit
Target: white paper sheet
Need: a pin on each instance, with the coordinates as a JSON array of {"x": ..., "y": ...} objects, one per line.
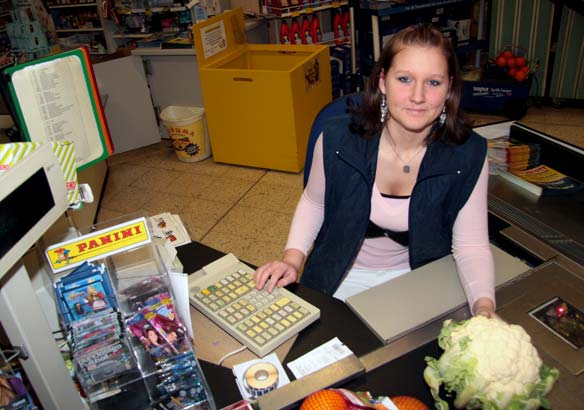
[
  {"x": 324, "y": 355},
  {"x": 180, "y": 288}
]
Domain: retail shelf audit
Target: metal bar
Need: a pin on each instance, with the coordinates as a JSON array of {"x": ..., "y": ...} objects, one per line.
[{"x": 291, "y": 394}]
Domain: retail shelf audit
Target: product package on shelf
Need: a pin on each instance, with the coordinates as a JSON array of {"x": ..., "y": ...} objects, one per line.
[{"x": 128, "y": 343}]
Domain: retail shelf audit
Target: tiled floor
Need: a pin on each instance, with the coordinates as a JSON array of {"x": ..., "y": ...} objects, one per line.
[
  {"x": 243, "y": 210},
  {"x": 236, "y": 209}
]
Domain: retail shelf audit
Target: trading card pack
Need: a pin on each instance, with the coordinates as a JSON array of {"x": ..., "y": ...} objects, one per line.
[
  {"x": 85, "y": 291},
  {"x": 181, "y": 383},
  {"x": 138, "y": 295},
  {"x": 157, "y": 327},
  {"x": 104, "y": 360}
]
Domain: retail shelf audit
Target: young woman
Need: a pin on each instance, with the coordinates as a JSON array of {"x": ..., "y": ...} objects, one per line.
[{"x": 400, "y": 182}]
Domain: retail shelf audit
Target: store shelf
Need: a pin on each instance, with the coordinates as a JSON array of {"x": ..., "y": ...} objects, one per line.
[
  {"x": 81, "y": 23},
  {"x": 384, "y": 8},
  {"x": 131, "y": 35},
  {"x": 78, "y": 30},
  {"x": 152, "y": 18},
  {"x": 380, "y": 19},
  {"x": 151, "y": 10},
  {"x": 66, "y": 6},
  {"x": 295, "y": 11},
  {"x": 282, "y": 15}
]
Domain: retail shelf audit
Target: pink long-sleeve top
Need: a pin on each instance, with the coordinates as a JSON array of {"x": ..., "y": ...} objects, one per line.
[{"x": 470, "y": 240}]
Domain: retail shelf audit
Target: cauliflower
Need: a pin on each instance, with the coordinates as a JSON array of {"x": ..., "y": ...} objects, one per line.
[{"x": 490, "y": 365}]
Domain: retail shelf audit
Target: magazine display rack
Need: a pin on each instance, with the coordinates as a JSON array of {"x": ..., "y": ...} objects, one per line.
[{"x": 128, "y": 343}]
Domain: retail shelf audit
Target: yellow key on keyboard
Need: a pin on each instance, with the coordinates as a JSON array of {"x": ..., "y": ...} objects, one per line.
[{"x": 283, "y": 302}]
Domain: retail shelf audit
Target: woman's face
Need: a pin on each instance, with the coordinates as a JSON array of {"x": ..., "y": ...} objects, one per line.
[
  {"x": 172, "y": 337},
  {"x": 416, "y": 87},
  {"x": 152, "y": 336}
]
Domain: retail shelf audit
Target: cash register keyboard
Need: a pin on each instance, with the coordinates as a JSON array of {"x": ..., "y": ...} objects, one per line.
[{"x": 225, "y": 292}]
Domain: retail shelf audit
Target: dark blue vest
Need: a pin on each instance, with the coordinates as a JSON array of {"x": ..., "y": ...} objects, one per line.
[{"x": 447, "y": 176}]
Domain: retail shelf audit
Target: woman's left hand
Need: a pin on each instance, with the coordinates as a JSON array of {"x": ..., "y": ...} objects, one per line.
[{"x": 484, "y": 307}]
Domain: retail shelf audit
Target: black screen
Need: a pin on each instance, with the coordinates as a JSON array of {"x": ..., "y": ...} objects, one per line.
[{"x": 23, "y": 208}]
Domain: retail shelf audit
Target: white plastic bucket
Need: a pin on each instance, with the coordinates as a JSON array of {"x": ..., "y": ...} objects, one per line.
[{"x": 186, "y": 127}]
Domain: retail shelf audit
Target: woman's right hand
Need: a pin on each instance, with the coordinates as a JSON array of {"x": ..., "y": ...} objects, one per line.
[
  {"x": 279, "y": 273},
  {"x": 275, "y": 273}
]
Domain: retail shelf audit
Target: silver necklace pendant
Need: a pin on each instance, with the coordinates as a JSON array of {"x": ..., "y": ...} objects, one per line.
[{"x": 406, "y": 169}]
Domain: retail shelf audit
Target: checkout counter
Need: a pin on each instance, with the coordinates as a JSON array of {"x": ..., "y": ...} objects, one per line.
[
  {"x": 544, "y": 232},
  {"x": 396, "y": 368}
]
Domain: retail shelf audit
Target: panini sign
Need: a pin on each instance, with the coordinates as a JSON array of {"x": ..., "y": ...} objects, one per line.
[{"x": 69, "y": 254}]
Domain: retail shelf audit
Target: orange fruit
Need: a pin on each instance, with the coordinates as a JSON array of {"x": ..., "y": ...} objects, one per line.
[
  {"x": 408, "y": 403},
  {"x": 520, "y": 62},
  {"x": 512, "y": 72},
  {"x": 324, "y": 400},
  {"x": 510, "y": 62},
  {"x": 501, "y": 61},
  {"x": 520, "y": 76},
  {"x": 507, "y": 54}
]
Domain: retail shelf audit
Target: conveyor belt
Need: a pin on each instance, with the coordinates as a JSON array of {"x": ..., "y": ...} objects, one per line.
[
  {"x": 513, "y": 214},
  {"x": 570, "y": 248},
  {"x": 563, "y": 244}
]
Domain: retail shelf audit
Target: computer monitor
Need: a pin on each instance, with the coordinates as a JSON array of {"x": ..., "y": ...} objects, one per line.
[{"x": 33, "y": 196}]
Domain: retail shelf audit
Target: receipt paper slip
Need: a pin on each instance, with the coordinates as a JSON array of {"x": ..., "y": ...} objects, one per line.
[{"x": 321, "y": 357}]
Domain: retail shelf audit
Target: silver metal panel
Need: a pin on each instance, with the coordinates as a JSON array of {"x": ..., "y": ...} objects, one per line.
[
  {"x": 553, "y": 278},
  {"x": 422, "y": 295}
]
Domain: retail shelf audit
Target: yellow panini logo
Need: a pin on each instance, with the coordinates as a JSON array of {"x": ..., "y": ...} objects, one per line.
[{"x": 69, "y": 254}]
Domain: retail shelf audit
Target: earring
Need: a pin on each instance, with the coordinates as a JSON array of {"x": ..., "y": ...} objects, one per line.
[
  {"x": 383, "y": 108},
  {"x": 442, "y": 117}
]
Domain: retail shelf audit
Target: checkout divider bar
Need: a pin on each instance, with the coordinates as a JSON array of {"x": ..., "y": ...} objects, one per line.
[
  {"x": 527, "y": 242},
  {"x": 290, "y": 395}
]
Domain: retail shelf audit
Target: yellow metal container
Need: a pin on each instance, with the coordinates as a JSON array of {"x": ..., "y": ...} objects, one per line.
[{"x": 260, "y": 99}]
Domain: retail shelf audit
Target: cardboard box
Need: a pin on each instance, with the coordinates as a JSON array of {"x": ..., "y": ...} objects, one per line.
[{"x": 260, "y": 99}]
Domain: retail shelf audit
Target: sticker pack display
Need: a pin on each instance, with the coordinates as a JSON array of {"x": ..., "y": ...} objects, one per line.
[
  {"x": 105, "y": 333},
  {"x": 88, "y": 308},
  {"x": 158, "y": 328},
  {"x": 85, "y": 291}
]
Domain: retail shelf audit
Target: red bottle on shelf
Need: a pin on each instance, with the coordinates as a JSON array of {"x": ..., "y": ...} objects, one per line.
[
  {"x": 305, "y": 31},
  {"x": 315, "y": 30},
  {"x": 284, "y": 33},
  {"x": 339, "y": 34},
  {"x": 295, "y": 32},
  {"x": 347, "y": 26}
]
